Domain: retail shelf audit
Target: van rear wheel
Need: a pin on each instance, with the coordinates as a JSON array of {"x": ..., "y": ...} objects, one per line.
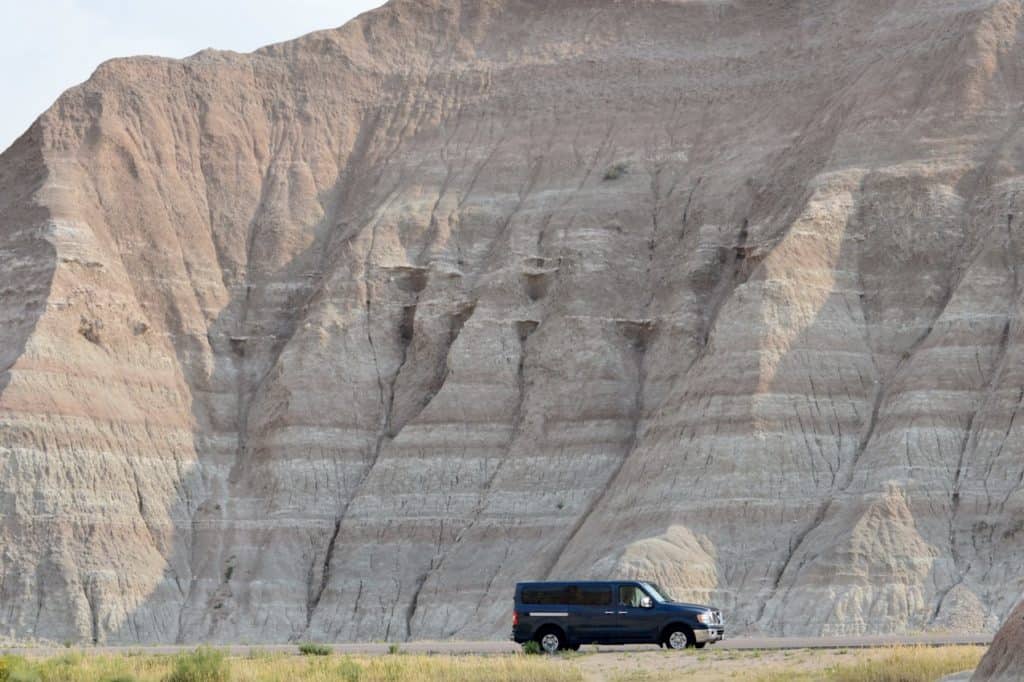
[
  {"x": 551, "y": 640},
  {"x": 679, "y": 637}
]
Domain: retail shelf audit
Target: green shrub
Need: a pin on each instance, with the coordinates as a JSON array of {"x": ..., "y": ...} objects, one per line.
[
  {"x": 202, "y": 665},
  {"x": 393, "y": 649},
  {"x": 314, "y": 649},
  {"x": 616, "y": 171},
  {"x": 531, "y": 648}
]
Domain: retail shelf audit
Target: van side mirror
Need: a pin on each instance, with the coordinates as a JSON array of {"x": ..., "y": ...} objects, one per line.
[{"x": 646, "y": 603}]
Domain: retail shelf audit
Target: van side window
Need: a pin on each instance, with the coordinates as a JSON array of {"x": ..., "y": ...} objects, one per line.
[
  {"x": 544, "y": 595},
  {"x": 572, "y": 594},
  {"x": 596, "y": 596},
  {"x": 630, "y": 595}
]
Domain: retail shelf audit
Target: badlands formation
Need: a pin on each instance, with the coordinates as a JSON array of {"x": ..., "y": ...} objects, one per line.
[
  {"x": 1004, "y": 661},
  {"x": 339, "y": 339}
]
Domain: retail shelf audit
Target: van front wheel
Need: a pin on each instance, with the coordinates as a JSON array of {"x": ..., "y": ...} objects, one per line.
[{"x": 679, "y": 637}]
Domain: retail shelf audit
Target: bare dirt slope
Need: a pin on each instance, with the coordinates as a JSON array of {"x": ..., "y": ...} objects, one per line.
[
  {"x": 1004, "y": 660},
  {"x": 340, "y": 338}
]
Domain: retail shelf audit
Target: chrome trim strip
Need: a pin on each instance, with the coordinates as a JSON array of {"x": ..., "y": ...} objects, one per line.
[{"x": 549, "y": 613}]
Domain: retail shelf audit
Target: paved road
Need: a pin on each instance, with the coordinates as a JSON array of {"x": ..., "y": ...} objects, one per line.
[{"x": 501, "y": 647}]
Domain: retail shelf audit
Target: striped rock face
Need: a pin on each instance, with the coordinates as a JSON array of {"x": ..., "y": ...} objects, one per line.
[{"x": 341, "y": 338}]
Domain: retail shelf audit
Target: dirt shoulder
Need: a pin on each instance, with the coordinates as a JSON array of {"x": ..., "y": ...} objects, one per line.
[{"x": 710, "y": 665}]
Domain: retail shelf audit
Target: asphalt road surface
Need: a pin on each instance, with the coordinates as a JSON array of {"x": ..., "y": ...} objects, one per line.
[{"x": 502, "y": 647}]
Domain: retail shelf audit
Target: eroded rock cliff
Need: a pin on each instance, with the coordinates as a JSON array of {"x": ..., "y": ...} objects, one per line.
[
  {"x": 1004, "y": 660},
  {"x": 341, "y": 338}
]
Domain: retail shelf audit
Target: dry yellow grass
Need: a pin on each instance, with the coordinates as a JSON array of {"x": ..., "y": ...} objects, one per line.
[
  {"x": 287, "y": 668},
  {"x": 909, "y": 664},
  {"x": 896, "y": 664}
]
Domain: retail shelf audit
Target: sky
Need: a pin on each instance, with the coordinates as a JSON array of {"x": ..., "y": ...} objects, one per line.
[{"x": 47, "y": 46}]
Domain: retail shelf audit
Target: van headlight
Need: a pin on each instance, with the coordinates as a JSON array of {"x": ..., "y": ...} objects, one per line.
[{"x": 707, "y": 617}]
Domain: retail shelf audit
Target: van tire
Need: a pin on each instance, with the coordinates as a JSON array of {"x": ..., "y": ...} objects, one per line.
[
  {"x": 678, "y": 636},
  {"x": 551, "y": 639}
]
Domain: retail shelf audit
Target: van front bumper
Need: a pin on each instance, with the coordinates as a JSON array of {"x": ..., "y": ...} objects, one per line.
[{"x": 715, "y": 633}]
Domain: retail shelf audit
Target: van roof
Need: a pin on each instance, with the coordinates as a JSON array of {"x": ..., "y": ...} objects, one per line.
[{"x": 555, "y": 583}]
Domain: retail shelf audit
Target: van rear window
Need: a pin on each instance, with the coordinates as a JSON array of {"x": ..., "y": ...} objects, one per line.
[{"x": 573, "y": 594}]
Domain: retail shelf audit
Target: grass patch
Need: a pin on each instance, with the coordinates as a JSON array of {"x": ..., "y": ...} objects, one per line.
[
  {"x": 210, "y": 665},
  {"x": 912, "y": 664},
  {"x": 896, "y": 664},
  {"x": 71, "y": 667}
]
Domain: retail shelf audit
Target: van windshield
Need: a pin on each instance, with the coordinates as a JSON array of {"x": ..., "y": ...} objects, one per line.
[{"x": 656, "y": 592}]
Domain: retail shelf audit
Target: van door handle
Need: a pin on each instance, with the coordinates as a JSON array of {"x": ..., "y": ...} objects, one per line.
[
  {"x": 623, "y": 612},
  {"x": 612, "y": 612}
]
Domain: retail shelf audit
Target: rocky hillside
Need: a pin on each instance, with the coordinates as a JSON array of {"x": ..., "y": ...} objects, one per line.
[
  {"x": 341, "y": 338},
  {"x": 1004, "y": 661}
]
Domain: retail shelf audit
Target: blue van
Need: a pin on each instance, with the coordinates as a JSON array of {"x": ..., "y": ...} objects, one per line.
[{"x": 564, "y": 615}]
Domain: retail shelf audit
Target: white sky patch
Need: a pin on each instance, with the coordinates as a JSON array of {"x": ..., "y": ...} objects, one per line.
[{"x": 47, "y": 46}]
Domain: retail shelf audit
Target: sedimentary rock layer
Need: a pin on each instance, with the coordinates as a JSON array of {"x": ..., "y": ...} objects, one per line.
[{"x": 341, "y": 338}]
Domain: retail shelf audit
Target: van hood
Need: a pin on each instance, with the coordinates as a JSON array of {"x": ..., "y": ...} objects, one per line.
[{"x": 695, "y": 607}]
